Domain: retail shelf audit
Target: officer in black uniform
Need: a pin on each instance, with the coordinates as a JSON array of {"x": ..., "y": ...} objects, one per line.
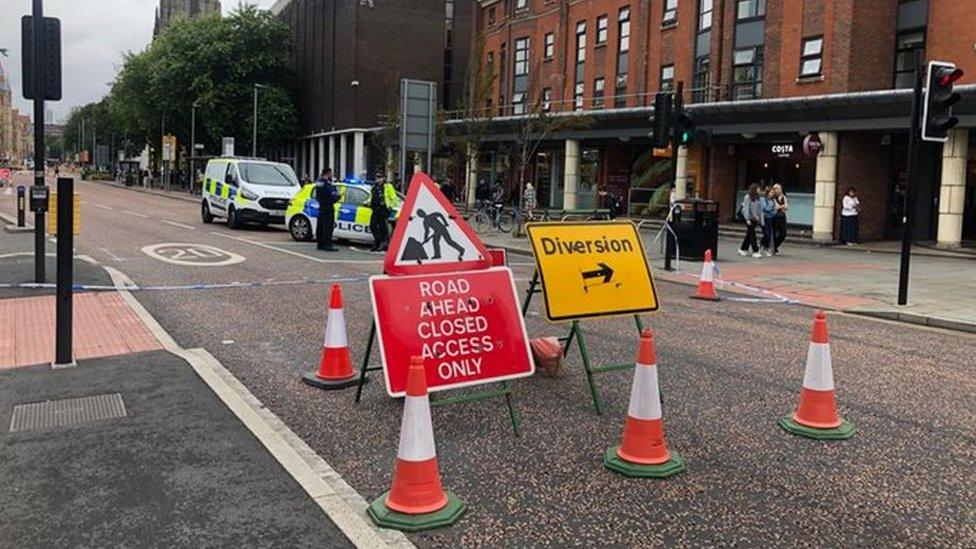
[{"x": 326, "y": 194}]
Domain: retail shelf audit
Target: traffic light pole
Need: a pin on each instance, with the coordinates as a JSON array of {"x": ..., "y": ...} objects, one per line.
[
  {"x": 676, "y": 106},
  {"x": 908, "y": 220},
  {"x": 38, "y": 58}
]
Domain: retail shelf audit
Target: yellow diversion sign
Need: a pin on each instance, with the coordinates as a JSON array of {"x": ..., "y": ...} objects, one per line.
[{"x": 592, "y": 269}]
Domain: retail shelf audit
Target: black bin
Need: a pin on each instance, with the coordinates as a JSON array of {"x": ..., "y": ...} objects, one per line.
[{"x": 696, "y": 226}]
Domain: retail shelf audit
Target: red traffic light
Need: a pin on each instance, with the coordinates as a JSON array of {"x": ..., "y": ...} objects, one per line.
[{"x": 949, "y": 76}]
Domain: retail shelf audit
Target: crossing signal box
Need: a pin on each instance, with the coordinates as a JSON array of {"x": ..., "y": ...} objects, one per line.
[
  {"x": 937, "y": 117},
  {"x": 663, "y": 104},
  {"x": 684, "y": 128}
]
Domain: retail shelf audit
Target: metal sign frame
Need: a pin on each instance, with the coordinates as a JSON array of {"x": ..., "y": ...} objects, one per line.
[{"x": 418, "y": 101}]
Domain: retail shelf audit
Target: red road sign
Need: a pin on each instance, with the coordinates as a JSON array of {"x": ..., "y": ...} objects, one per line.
[
  {"x": 499, "y": 258},
  {"x": 430, "y": 236},
  {"x": 466, "y": 326},
  {"x": 4, "y": 174}
]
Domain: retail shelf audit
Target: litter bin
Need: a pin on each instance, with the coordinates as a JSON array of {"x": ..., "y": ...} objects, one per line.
[{"x": 696, "y": 226}]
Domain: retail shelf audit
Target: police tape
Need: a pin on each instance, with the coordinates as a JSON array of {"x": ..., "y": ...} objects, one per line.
[{"x": 192, "y": 287}]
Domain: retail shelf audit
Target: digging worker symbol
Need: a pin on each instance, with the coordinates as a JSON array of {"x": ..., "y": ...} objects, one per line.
[{"x": 435, "y": 230}]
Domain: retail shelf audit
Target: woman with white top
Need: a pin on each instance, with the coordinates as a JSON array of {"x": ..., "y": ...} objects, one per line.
[{"x": 849, "y": 222}]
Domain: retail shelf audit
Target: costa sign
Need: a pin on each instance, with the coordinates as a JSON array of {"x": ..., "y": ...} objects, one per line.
[
  {"x": 812, "y": 145},
  {"x": 466, "y": 326}
]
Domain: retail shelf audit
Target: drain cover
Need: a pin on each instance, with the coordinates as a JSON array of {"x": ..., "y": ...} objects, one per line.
[{"x": 69, "y": 411}]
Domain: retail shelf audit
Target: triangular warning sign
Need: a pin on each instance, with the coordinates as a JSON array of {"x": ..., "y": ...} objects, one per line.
[{"x": 430, "y": 236}]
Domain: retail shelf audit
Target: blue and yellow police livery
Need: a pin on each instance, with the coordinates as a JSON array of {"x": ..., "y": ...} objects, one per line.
[
  {"x": 244, "y": 190},
  {"x": 352, "y": 213}
]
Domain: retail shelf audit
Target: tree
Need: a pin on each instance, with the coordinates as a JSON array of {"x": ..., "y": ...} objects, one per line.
[{"x": 475, "y": 113}]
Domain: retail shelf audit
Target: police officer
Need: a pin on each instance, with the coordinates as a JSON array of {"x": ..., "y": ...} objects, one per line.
[
  {"x": 380, "y": 213},
  {"x": 326, "y": 194}
]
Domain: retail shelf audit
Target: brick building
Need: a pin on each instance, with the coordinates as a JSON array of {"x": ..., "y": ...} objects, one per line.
[
  {"x": 350, "y": 57},
  {"x": 761, "y": 75},
  {"x": 171, "y": 10}
]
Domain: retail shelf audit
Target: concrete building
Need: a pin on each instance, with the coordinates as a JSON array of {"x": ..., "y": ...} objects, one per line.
[
  {"x": 762, "y": 75},
  {"x": 350, "y": 57},
  {"x": 171, "y": 10}
]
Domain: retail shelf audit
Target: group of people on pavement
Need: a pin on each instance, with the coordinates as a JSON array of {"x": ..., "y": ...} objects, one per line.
[
  {"x": 764, "y": 208},
  {"x": 383, "y": 200}
]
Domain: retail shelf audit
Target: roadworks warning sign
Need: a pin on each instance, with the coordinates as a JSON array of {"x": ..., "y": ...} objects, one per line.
[{"x": 592, "y": 269}]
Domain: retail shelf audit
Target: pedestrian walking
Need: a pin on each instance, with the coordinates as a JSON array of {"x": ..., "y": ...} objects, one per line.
[
  {"x": 849, "y": 217},
  {"x": 529, "y": 197},
  {"x": 752, "y": 214},
  {"x": 447, "y": 189},
  {"x": 780, "y": 205},
  {"x": 327, "y": 195},
  {"x": 769, "y": 210}
]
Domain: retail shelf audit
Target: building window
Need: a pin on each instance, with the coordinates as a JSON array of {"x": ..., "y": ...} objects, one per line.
[
  {"x": 750, "y": 9},
  {"x": 623, "y": 57},
  {"x": 670, "y": 12},
  {"x": 521, "y": 57},
  {"x": 599, "y": 87},
  {"x": 490, "y": 62},
  {"x": 580, "y": 64},
  {"x": 905, "y": 46},
  {"x": 550, "y": 45},
  {"x": 501, "y": 105},
  {"x": 702, "y": 81},
  {"x": 811, "y": 58},
  {"x": 601, "y": 30},
  {"x": 491, "y": 16},
  {"x": 667, "y": 78},
  {"x": 518, "y": 103},
  {"x": 747, "y": 67},
  {"x": 546, "y": 99},
  {"x": 520, "y": 73},
  {"x": 704, "y": 15},
  {"x": 521, "y": 4}
]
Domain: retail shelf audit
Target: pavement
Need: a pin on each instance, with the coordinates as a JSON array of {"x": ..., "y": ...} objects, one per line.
[
  {"x": 857, "y": 279},
  {"x": 729, "y": 371}
]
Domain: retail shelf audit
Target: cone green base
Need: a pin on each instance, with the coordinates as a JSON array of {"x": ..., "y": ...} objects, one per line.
[
  {"x": 312, "y": 378},
  {"x": 703, "y": 298},
  {"x": 388, "y": 518},
  {"x": 662, "y": 470},
  {"x": 844, "y": 431}
]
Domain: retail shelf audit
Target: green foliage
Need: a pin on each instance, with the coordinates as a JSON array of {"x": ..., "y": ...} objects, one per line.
[{"x": 214, "y": 62}]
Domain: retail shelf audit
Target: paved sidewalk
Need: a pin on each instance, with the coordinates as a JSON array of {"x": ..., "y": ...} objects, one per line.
[
  {"x": 177, "y": 469},
  {"x": 942, "y": 289}
]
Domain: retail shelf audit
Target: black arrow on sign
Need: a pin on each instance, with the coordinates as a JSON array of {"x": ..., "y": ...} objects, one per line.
[{"x": 604, "y": 272}]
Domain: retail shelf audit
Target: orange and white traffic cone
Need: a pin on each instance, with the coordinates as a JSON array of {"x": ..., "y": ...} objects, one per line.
[
  {"x": 416, "y": 501},
  {"x": 816, "y": 415},
  {"x": 643, "y": 452},
  {"x": 335, "y": 370},
  {"x": 706, "y": 284}
]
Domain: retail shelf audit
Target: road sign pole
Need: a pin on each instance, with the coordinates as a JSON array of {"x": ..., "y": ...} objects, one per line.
[
  {"x": 676, "y": 107},
  {"x": 65, "y": 221},
  {"x": 38, "y": 58},
  {"x": 909, "y": 217}
]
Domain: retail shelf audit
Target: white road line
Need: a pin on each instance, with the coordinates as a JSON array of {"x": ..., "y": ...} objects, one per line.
[
  {"x": 135, "y": 214},
  {"x": 103, "y": 206},
  {"x": 296, "y": 254},
  {"x": 180, "y": 225},
  {"x": 339, "y": 501},
  {"x": 112, "y": 255}
]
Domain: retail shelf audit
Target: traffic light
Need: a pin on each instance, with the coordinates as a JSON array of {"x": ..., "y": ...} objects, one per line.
[
  {"x": 662, "y": 119},
  {"x": 684, "y": 131},
  {"x": 937, "y": 117},
  {"x": 49, "y": 64}
]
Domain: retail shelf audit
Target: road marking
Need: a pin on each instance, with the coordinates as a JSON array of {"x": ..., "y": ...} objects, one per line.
[
  {"x": 191, "y": 255},
  {"x": 340, "y": 502},
  {"x": 104, "y": 207},
  {"x": 180, "y": 225},
  {"x": 228, "y": 342},
  {"x": 135, "y": 214},
  {"x": 112, "y": 255},
  {"x": 296, "y": 254}
]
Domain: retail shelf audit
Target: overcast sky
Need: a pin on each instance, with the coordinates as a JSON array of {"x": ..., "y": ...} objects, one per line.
[{"x": 94, "y": 35}]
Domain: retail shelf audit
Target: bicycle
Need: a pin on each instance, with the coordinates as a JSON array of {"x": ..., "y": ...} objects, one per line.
[{"x": 494, "y": 216}]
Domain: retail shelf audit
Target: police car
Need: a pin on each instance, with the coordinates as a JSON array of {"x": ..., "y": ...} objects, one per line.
[
  {"x": 243, "y": 190},
  {"x": 352, "y": 212}
]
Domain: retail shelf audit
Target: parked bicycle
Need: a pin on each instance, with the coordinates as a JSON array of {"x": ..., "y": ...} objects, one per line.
[{"x": 494, "y": 215}]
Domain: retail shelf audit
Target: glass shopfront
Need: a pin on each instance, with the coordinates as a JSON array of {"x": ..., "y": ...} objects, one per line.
[{"x": 783, "y": 163}]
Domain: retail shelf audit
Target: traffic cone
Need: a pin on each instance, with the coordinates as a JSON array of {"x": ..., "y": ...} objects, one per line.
[
  {"x": 416, "y": 501},
  {"x": 335, "y": 370},
  {"x": 706, "y": 284},
  {"x": 643, "y": 452},
  {"x": 816, "y": 415}
]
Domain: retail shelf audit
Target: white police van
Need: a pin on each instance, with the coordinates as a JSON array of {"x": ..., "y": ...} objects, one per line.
[{"x": 243, "y": 190}]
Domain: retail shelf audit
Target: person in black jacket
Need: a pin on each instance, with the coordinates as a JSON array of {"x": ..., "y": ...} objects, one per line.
[
  {"x": 379, "y": 218},
  {"x": 326, "y": 194}
]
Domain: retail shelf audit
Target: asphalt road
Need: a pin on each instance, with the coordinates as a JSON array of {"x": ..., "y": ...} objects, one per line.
[{"x": 729, "y": 371}]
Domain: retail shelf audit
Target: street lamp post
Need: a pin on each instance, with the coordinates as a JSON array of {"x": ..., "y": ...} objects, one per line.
[
  {"x": 254, "y": 136},
  {"x": 193, "y": 145}
]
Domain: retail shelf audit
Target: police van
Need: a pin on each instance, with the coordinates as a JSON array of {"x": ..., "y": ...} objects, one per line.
[
  {"x": 352, "y": 212},
  {"x": 243, "y": 190}
]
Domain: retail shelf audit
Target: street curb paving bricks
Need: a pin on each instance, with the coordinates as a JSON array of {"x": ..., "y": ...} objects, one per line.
[
  {"x": 921, "y": 320},
  {"x": 194, "y": 199},
  {"x": 11, "y": 226},
  {"x": 339, "y": 501}
]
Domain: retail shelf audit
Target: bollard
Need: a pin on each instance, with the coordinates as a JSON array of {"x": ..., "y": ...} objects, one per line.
[
  {"x": 21, "y": 206},
  {"x": 65, "y": 273}
]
